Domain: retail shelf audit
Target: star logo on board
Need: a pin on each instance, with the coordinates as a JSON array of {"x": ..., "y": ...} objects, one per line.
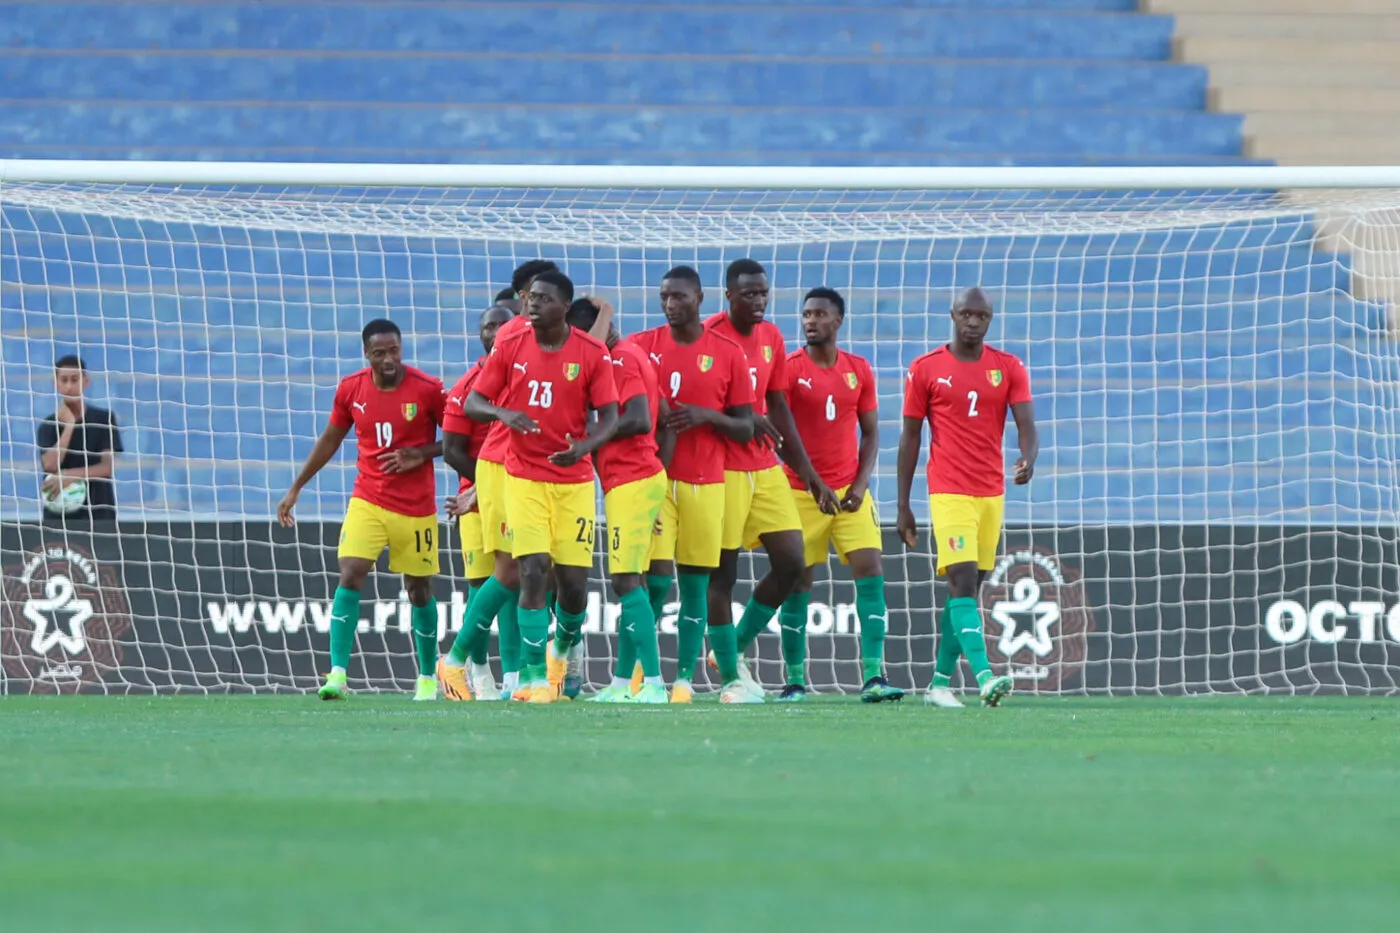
[
  {"x": 851, "y": 380},
  {"x": 571, "y": 371},
  {"x": 706, "y": 363},
  {"x": 994, "y": 376},
  {"x": 1041, "y": 619},
  {"x": 410, "y": 411}
]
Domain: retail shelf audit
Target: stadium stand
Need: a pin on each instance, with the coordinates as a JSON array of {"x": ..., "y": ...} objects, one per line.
[{"x": 223, "y": 389}]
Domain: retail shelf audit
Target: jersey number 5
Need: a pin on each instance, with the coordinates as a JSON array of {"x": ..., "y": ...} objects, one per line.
[{"x": 541, "y": 394}]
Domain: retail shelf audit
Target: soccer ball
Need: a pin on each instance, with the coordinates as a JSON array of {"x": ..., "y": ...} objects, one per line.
[{"x": 68, "y": 499}]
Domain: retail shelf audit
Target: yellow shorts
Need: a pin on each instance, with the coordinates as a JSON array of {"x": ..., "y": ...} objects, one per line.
[
  {"x": 756, "y": 504},
  {"x": 491, "y": 503},
  {"x": 962, "y": 524},
  {"x": 849, "y": 531},
  {"x": 412, "y": 539},
  {"x": 633, "y": 510},
  {"x": 480, "y": 562},
  {"x": 691, "y": 524},
  {"x": 551, "y": 518}
]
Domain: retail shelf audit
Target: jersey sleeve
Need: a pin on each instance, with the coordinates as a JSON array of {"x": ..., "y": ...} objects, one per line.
[
  {"x": 435, "y": 400},
  {"x": 454, "y": 419},
  {"x": 778, "y": 378},
  {"x": 1018, "y": 382},
  {"x": 740, "y": 387},
  {"x": 340, "y": 408},
  {"x": 493, "y": 373},
  {"x": 47, "y": 435},
  {"x": 628, "y": 376},
  {"x": 916, "y": 393},
  {"x": 602, "y": 388},
  {"x": 868, "y": 399}
]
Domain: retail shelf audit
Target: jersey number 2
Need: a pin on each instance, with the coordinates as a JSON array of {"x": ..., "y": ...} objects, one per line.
[{"x": 972, "y": 404}]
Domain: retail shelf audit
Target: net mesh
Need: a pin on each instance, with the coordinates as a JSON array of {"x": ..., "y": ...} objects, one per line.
[{"x": 1214, "y": 375}]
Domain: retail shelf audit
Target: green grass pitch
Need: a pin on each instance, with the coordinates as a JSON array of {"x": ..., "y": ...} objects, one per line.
[{"x": 1124, "y": 815}]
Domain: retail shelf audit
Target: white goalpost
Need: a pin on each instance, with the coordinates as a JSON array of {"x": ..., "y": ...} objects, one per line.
[{"x": 1211, "y": 350}]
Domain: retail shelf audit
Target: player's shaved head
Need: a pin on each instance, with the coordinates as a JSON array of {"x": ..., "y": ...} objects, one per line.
[
  {"x": 679, "y": 274},
  {"x": 681, "y": 297},
  {"x": 491, "y": 320},
  {"x": 973, "y": 297},
  {"x": 582, "y": 315},
  {"x": 742, "y": 267},
  {"x": 823, "y": 293},
  {"x": 556, "y": 280},
  {"x": 383, "y": 343},
  {"x": 377, "y": 327}
]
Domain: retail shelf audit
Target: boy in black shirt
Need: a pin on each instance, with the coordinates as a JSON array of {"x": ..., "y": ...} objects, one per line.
[{"x": 79, "y": 441}]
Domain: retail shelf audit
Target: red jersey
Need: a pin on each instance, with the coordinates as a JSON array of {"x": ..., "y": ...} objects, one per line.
[
  {"x": 498, "y": 435},
  {"x": 966, "y": 406},
  {"x": 454, "y": 419},
  {"x": 767, "y": 365},
  {"x": 631, "y": 458},
  {"x": 554, "y": 387},
  {"x": 710, "y": 373},
  {"x": 407, "y": 415},
  {"x": 826, "y": 407}
]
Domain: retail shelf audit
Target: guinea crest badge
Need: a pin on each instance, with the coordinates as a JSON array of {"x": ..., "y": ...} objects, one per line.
[
  {"x": 994, "y": 376},
  {"x": 706, "y": 363},
  {"x": 410, "y": 411},
  {"x": 571, "y": 371},
  {"x": 851, "y": 380},
  {"x": 767, "y": 354}
]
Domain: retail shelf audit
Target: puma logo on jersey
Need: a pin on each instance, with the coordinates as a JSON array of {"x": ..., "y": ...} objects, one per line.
[
  {"x": 519, "y": 366},
  {"x": 359, "y": 405},
  {"x": 454, "y": 400},
  {"x": 945, "y": 381},
  {"x": 655, "y": 358},
  {"x": 805, "y": 382}
]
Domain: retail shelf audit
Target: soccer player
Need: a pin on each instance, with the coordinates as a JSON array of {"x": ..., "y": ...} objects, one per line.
[
  {"x": 462, "y": 440},
  {"x": 758, "y": 504},
  {"x": 395, "y": 411},
  {"x": 634, "y": 484},
  {"x": 545, "y": 381},
  {"x": 830, "y": 392},
  {"x": 964, "y": 389},
  {"x": 704, "y": 379}
]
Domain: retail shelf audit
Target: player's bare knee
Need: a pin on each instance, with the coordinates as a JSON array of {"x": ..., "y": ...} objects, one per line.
[
  {"x": 865, "y": 563},
  {"x": 533, "y": 570},
  {"x": 419, "y": 589},
  {"x": 507, "y": 571},
  {"x": 786, "y": 560},
  {"x": 804, "y": 582},
  {"x": 962, "y": 581},
  {"x": 353, "y": 573},
  {"x": 723, "y": 577},
  {"x": 571, "y": 588},
  {"x": 624, "y": 583}
]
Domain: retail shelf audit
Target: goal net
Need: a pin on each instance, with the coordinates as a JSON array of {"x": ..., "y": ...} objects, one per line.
[{"x": 1211, "y": 353}]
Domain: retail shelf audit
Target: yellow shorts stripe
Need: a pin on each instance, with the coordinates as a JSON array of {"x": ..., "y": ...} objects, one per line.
[
  {"x": 412, "y": 540},
  {"x": 848, "y": 531},
  {"x": 965, "y": 529}
]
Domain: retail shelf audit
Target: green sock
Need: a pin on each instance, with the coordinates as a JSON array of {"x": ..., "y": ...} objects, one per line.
[
  {"x": 793, "y": 620},
  {"x": 690, "y": 626},
  {"x": 345, "y": 618},
  {"x": 478, "y": 652},
  {"x": 640, "y": 631},
  {"x": 966, "y": 619},
  {"x": 874, "y": 617},
  {"x": 724, "y": 643},
  {"x": 567, "y": 627},
  {"x": 534, "y": 632},
  {"x": 945, "y": 664},
  {"x": 658, "y": 590},
  {"x": 508, "y": 623},
  {"x": 476, "y": 625},
  {"x": 425, "y": 631},
  {"x": 752, "y": 623},
  {"x": 626, "y": 647}
]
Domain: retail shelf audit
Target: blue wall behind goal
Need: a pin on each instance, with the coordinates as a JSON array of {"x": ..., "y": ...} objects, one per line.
[{"x": 1186, "y": 376}]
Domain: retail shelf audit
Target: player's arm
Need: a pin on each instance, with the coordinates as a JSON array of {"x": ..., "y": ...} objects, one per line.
[
  {"x": 869, "y": 455},
  {"x": 734, "y": 422},
  {"x": 910, "y": 437},
  {"x": 455, "y": 453},
  {"x": 321, "y": 452},
  {"x": 1028, "y": 439},
  {"x": 794, "y": 453},
  {"x": 479, "y": 408},
  {"x": 54, "y": 438},
  {"x": 634, "y": 418},
  {"x": 603, "y": 323},
  {"x": 600, "y": 432},
  {"x": 665, "y": 437}
]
